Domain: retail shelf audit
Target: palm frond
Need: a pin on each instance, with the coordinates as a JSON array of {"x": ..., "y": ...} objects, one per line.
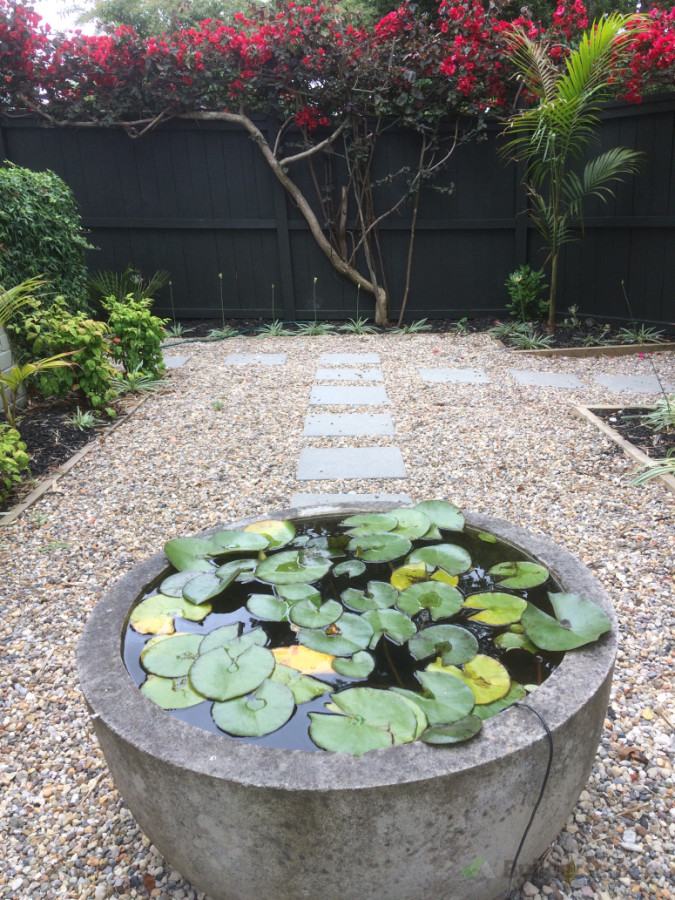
[
  {"x": 12, "y": 299},
  {"x": 598, "y": 174}
]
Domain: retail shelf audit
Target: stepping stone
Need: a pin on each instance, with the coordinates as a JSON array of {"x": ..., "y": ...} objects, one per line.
[
  {"x": 356, "y": 499},
  {"x": 175, "y": 362},
  {"x": 349, "y": 359},
  {"x": 547, "y": 379},
  {"x": 256, "y": 359},
  {"x": 637, "y": 384},
  {"x": 454, "y": 376},
  {"x": 348, "y": 396},
  {"x": 348, "y": 423},
  {"x": 320, "y": 463},
  {"x": 349, "y": 375}
]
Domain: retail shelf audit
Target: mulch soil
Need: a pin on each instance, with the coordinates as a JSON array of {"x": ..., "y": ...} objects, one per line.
[{"x": 626, "y": 422}]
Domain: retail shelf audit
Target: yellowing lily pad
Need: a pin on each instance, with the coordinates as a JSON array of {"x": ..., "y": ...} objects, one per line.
[
  {"x": 156, "y": 614},
  {"x": 487, "y": 678},
  {"x": 303, "y": 659},
  {"x": 404, "y": 576},
  {"x": 498, "y": 608},
  {"x": 488, "y": 710},
  {"x": 277, "y": 532}
]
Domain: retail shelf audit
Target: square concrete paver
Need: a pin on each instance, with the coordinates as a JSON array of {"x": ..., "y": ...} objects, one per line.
[
  {"x": 349, "y": 375},
  {"x": 547, "y": 379},
  {"x": 318, "y": 463},
  {"x": 175, "y": 362},
  {"x": 256, "y": 359},
  {"x": 348, "y": 396},
  {"x": 348, "y": 423},
  {"x": 356, "y": 499},
  {"x": 454, "y": 376},
  {"x": 637, "y": 384},
  {"x": 349, "y": 359}
]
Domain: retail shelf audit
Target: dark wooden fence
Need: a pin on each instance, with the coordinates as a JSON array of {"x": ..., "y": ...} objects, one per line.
[{"x": 198, "y": 200}]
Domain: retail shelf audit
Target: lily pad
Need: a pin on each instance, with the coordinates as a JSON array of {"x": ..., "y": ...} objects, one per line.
[
  {"x": 486, "y": 537},
  {"x": 220, "y": 637},
  {"x": 174, "y": 584},
  {"x": 369, "y": 523},
  {"x": 190, "y": 553},
  {"x": 445, "y": 697},
  {"x": 522, "y": 574},
  {"x": 378, "y": 595},
  {"x": 360, "y": 665},
  {"x": 454, "y": 645},
  {"x": 269, "y": 707},
  {"x": 170, "y": 693},
  {"x": 379, "y": 547},
  {"x": 396, "y": 625},
  {"x": 330, "y": 547},
  {"x": 462, "y": 730},
  {"x": 303, "y": 659},
  {"x": 433, "y": 534},
  {"x": 452, "y": 559},
  {"x": 203, "y": 587},
  {"x": 487, "y": 678},
  {"x": 412, "y": 523},
  {"x": 172, "y": 657},
  {"x": 156, "y": 614},
  {"x": 307, "y": 614},
  {"x": 294, "y": 592},
  {"x": 440, "y": 599},
  {"x": 268, "y": 607},
  {"x": 220, "y": 676},
  {"x": 343, "y": 638},
  {"x": 350, "y": 567},
  {"x": 239, "y": 569},
  {"x": 488, "y": 710},
  {"x": 442, "y": 514},
  {"x": 239, "y": 541},
  {"x": 303, "y": 687},
  {"x": 511, "y": 641},
  {"x": 498, "y": 608},
  {"x": 349, "y": 735},
  {"x": 292, "y": 567},
  {"x": 277, "y": 532},
  {"x": 254, "y": 638},
  {"x": 578, "y": 621},
  {"x": 404, "y": 576}
]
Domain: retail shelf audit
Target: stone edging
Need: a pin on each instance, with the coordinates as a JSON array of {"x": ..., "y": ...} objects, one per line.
[
  {"x": 607, "y": 350},
  {"x": 586, "y": 412},
  {"x": 50, "y": 480}
]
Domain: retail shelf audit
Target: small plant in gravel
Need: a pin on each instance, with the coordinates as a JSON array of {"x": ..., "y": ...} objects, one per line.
[
  {"x": 529, "y": 339},
  {"x": 411, "y": 625},
  {"x": 415, "y": 327},
  {"x": 525, "y": 287},
  {"x": 14, "y": 460},
  {"x": 358, "y": 326},
  {"x": 638, "y": 333},
  {"x": 177, "y": 330},
  {"x": 220, "y": 334},
  {"x": 596, "y": 340},
  {"x": 315, "y": 328},
  {"x": 218, "y": 405},
  {"x": 503, "y": 330},
  {"x": 275, "y": 328}
]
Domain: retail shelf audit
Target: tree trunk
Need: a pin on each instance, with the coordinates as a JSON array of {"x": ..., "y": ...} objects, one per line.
[{"x": 553, "y": 293}]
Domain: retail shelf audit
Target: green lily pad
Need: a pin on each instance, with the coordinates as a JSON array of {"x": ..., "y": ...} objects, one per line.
[
  {"x": 396, "y": 625},
  {"x": 445, "y": 697},
  {"x": 240, "y": 569},
  {"x": 453, "y": 644},
  {"x": 488, "y": 710},
  {"x": 442, "y": 514},
  {"x": 487, "y": 537},
  {"x": 360, "y": 665},
  {"x": 292, "y": 567},
  {"x": 269, "y": 707},
  {"x": 278, "y": 533},
  {"x": 254, "y": 638},
  {"x": 369, "y": 523},
  {"x": 349, "y": 735},
  {"x": 220, "y": 637},
  {"x": 351, "y": 567},
  {"x": 378, "y": 595},
  {"x": 433, "y": 534},
  {"x": 307, "y": 614},
  {"x": 190, "y": 553},
  {"x": 487, "y": 678},
  {"x": 440, "y": 599},
  {"x": 343, "y": 638},
  {"x": 379, "y": 547},
  {"x": 174, "y": 584},
  {"x": 412, "y": 523},
  {"x": 303, "y": 687},
  {"x": 203, "y": 587},
  {"x": 156, "y": 614},
  {"x": 330, "y": 547},
  {"x": 170, "y": 693},
  {"x": 578, "y": 621},
  {"x": 462, "y": 730},
  {"x": 173, "y": 656},
  {"x": 294, "y": 592},
  {"x": 452, "y": 559},
  {"x": 497, "y": 608},
  {"x": 239, "y": 541},
  {"x": 519, "y": 574},
  {"x": 511, "y": 641},
  {"x": 219, "y": 675},
  {"x": 268, "y": 607}
]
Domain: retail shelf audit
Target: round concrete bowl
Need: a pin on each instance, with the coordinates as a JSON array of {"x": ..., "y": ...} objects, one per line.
[{"x": 414, "y": 821}]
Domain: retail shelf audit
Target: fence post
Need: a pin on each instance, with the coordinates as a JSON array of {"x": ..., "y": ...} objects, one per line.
[{"x": 283, "y": 241}]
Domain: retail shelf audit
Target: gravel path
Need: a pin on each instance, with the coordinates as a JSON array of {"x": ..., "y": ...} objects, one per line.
[{"x": 179, "y": 466}]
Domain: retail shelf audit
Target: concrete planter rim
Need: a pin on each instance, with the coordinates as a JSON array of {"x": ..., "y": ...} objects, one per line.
[{"x": 112, "y": 695}]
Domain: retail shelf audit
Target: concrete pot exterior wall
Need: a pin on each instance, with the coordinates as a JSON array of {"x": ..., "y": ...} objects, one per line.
[{"x": 241, "y": 821}]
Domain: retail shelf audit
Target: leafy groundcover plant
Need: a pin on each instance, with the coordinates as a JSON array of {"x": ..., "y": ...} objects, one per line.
[{"x": 385, "y": 628}]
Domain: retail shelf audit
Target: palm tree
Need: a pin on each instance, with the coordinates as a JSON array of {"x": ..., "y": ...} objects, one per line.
[{"x": 552, "y": 137}]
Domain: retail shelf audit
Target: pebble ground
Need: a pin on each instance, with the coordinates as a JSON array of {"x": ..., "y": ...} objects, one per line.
[{"x": 179, "y": 465}]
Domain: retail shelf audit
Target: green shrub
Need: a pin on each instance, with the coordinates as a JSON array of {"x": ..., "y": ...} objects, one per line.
[
  {"x": 56, "y": 330},
  {"x": 525, "y": 287},
  {"x": 41, "y": 234},
  {"x": 13, "y": 460},
  {"x": 136, "y": 335}
]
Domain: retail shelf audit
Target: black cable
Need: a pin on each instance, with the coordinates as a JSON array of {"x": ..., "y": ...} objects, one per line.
[{"x": 541, "y": 792}]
